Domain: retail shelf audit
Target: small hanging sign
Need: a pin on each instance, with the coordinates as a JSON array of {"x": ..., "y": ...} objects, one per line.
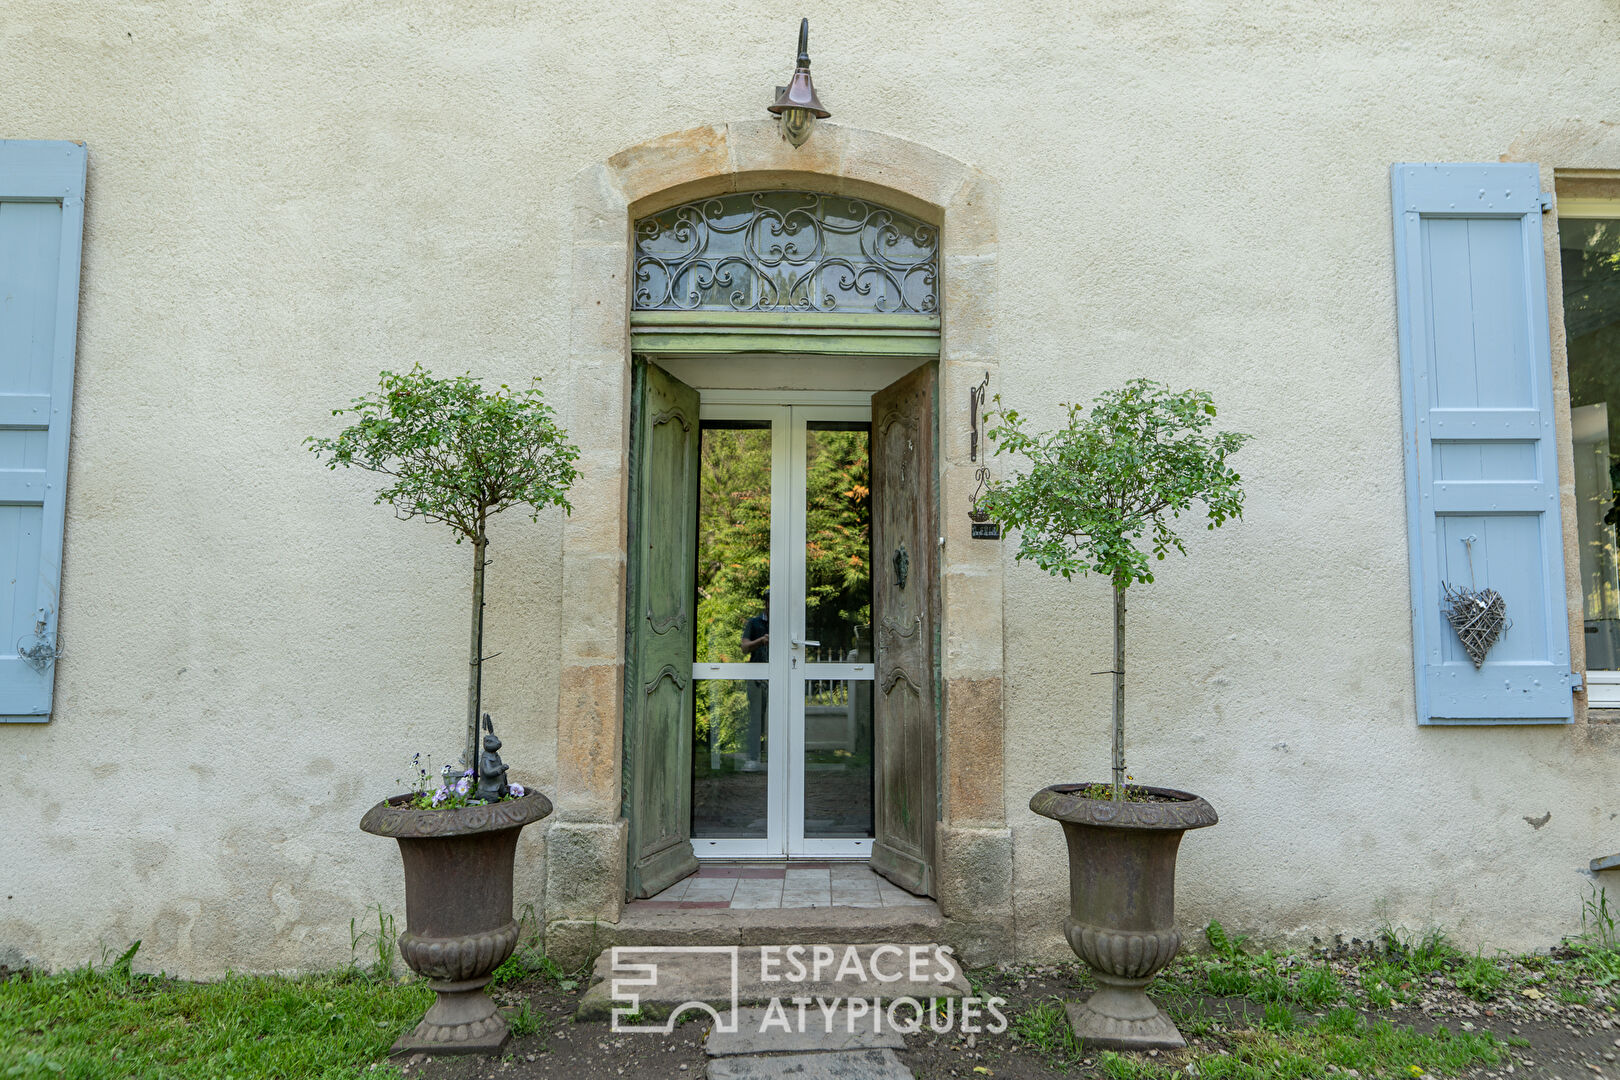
[{"x": 983, "y": 527}]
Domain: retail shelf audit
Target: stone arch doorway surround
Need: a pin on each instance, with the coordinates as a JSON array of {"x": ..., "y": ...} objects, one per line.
[{"x": 585, "y": 861}]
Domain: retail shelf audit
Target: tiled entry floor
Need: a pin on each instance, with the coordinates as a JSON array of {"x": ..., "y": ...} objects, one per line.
[{"x": 751, "y": 886}]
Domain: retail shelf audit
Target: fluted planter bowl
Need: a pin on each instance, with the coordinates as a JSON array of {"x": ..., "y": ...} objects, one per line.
[
  {"x": 458, "y": 912},
  {"x": 1122, "y": 905}
]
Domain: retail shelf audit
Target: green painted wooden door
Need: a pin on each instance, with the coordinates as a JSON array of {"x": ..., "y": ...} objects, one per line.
[
  {"x": 905, "y": 556},
  {"x": 658, "y": 656}
]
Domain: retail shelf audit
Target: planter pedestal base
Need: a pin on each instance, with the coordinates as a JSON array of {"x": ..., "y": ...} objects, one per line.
[
  {"x": 461, "y": 1020},
  {"x": 1119, "y": 1016}
]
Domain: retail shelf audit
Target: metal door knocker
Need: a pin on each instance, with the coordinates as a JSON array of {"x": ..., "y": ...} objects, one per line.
[{"x": 902, "y": 566}]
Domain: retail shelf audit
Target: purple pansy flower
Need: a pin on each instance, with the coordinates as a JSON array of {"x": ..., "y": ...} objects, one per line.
[{"x": 517, "y": 791}]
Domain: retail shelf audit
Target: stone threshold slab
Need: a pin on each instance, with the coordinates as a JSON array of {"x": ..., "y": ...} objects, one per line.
[
  {"x": 640, "y": 925},
  {"x": 838, "y": 1065},
  {"x": 823, "y": 1030},
  {"x": 707, "y": 976}
]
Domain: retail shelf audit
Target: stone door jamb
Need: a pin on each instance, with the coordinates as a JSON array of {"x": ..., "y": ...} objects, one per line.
[{"x": 586, "y": 840}]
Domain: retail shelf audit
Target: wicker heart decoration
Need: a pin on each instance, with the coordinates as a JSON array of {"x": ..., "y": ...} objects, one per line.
[{"x": 1478, "y": 616}]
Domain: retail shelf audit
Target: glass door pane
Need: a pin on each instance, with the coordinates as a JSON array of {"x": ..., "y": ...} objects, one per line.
[
  {"x": 833, "y": 723},
  {"x": 731, "y": 724},
  {"x": 838, "y": 541}
]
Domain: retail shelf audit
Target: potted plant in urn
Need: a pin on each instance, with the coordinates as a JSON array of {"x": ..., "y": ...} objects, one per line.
[
  {"x": 1100, "y": 496},
  {"x": 457, "y": 455}
]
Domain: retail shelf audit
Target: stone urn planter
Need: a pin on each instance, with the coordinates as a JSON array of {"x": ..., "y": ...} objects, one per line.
[
  {"x": 1122, "y": 902},
  {"x": 458, "y": 912}
]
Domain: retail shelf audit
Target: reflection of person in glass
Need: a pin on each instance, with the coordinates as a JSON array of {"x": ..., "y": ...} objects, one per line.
[{"x": 756, "y": 644}]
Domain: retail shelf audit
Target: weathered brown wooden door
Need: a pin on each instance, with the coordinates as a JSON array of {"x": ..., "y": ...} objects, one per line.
[
  {"x": 658, "y": 658},
  {"x": 905, "y": 554}
]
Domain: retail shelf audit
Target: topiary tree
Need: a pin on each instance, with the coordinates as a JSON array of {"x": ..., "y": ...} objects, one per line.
[
  {"x": 459, "y": 456},
  {"x": 1101, "y": 491}
]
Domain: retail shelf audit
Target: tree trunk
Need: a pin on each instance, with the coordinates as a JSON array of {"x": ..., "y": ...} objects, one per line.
[
  {"x": 475, "y": 674},
  {"x": 1119, "y": 692}
]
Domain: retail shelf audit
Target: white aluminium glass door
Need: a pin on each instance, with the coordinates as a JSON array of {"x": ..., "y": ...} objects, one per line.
[
  {"x": 830, "y": 666},
  {"x": 782, "y": 746}
]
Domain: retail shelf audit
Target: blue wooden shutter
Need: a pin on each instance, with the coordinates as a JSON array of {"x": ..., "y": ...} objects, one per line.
[
  {"x": 1481, "y": 452},
  {"x": 41, "y": 224}
]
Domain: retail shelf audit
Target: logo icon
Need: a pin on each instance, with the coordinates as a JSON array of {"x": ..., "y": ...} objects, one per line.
[{"x": 636, "y": 969}]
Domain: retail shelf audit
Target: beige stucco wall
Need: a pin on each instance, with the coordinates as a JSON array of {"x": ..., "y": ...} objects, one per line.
[{"x": 285, "y": 199}]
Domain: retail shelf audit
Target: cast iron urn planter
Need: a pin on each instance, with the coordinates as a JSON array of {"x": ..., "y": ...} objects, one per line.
[
  {"x": 1122, "y": 902},
  {"x": 458, "y": 912}
]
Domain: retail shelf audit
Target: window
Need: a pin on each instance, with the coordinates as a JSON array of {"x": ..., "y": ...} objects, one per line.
[
  {"x": 1589, "y": 250},
  {"x": 786, "y": 251}
]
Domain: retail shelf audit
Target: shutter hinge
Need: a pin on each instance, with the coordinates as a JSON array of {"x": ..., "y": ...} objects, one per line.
[
  {"x": 1546, "y": 201},
  {"x": 1575, "y": 681}
]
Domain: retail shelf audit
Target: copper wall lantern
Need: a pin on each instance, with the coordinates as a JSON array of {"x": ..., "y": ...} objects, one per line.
[{"x": 796, "y": 104}]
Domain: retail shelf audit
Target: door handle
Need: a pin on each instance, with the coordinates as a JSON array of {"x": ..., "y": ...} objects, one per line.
[{"x": 796, "y": 643}]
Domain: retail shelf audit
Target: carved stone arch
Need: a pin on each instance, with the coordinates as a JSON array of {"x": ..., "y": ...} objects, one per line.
[{"x": 587, "y": 840}]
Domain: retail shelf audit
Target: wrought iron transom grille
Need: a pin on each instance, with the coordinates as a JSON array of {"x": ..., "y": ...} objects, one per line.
[{"x": 786, "y": 251}]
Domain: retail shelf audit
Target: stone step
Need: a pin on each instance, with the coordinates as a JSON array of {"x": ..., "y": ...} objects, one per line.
[
  {"x": 574, "y": 942},
  {"x": 664, "y": 977},
  {"x": 837, "y": 1065},
  {"x": 918, "y": 924},
  {"x": 760, "y": 1032}
]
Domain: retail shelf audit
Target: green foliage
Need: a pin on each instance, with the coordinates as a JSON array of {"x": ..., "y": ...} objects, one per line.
[
  {"x": 1222, "y": 944},
  {"x": 1318, "y": 988},
  {"x": 381, "y": 943},
  {"x": 1232, "y": 971},
  {"x": 526, "y": 1020},
  {"x": 456, "y": 454},
  {"x": 1106, "y": 483},
  {"x": 1419, "y": 954},
  {"x": 1597, "y": 921},
  {"x": 1046, "y": 1027},
  {"x": 1385, "y": 985},
  {"x": 1130, "y": 1067},
  {"x": 1597, "y": 950},
  {"x": 1344, "y": 1040},
  {"x": 1574, "y": 995},
  {"x": 1480, "y": 978},
  {"x": 1278, "y": 1017},
  {"x": 92, "y": 1023}
]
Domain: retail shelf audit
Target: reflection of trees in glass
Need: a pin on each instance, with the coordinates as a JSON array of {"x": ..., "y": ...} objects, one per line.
[
  {"x": 838, "y": 543},
  {"x": 734, "y": 539},
  {"x": 734, "y": 568}
]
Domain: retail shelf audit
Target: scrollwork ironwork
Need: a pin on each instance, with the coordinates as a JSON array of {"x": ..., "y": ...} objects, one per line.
[{"x": 786, "y": 251}]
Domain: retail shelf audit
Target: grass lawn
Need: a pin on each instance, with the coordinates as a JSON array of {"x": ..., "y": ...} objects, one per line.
[
  {"x": 1402, "y": 1007},
  {"x": 108, "y": 1024}
]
